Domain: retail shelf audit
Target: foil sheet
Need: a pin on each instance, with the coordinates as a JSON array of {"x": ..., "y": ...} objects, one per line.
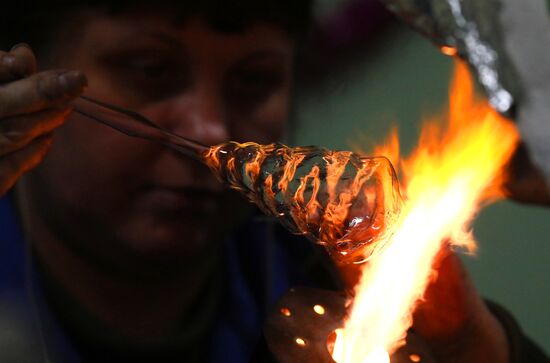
[{"x": 506, "y": 43}]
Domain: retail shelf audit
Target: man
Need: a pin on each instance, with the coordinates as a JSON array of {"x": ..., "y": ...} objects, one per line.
[{"x": 135, "y": 254}]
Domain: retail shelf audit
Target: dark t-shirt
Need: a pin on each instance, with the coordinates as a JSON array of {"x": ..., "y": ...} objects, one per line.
[{"x": 261, "y": 262}]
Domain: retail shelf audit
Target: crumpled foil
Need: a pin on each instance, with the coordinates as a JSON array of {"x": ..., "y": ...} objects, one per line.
[{"x": 507, "y": 44}]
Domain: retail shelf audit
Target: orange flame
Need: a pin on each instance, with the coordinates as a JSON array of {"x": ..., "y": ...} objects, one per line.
[
  {"x": 450, "y": 175},
  {"x": 391, "y": 149}
]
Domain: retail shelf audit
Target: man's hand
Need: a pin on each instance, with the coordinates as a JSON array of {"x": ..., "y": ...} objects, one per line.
[
  {"x": 525, "y": 182},
  {"x": 32, "y": 106},
  {"x": 454, "y": 320}
]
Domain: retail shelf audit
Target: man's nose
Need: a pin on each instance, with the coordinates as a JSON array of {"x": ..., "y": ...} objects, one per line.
[{"x": 198, "y": 115}]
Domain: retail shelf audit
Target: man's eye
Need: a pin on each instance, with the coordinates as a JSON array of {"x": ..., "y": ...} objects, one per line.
[
  {"x": 150, "y": 68},
  {"x": 152, "y": 77},
  {"x": 253, "y": 86},
  {"x": 255, "y": 81}
]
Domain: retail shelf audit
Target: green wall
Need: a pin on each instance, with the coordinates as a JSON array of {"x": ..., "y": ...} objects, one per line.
[{"x": 402, "y": 78}]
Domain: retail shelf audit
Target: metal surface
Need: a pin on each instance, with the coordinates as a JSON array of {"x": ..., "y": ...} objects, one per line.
[
  {"x": 467, "y": 27},
  {"x": 506, "y": 43},
  {"x": 298, "y": 329}
]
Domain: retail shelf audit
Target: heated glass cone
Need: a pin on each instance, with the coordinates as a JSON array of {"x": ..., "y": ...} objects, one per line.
[
  {"x": 336, "y": 198},
  {"x": 339, "y": 199}
]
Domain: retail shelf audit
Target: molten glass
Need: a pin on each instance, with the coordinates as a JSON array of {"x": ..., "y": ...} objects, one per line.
[
  {"x": 336, "y": 198},
  {"x": 339, "y": 199}
]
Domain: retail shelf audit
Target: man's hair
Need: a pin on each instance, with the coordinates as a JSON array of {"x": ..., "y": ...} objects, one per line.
[{"x": 36, "y": 21}]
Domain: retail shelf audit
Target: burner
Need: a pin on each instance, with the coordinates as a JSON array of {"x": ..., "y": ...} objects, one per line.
[{"x": 299, "y": 328}]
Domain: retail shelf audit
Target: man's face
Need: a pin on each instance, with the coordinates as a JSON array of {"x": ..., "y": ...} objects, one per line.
[{"x": 118, "y": 197}]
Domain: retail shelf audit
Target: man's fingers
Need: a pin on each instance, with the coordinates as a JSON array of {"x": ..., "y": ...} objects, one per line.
[
  {"x": 14, "y": 165},
  {"x": 450, "y": 300},
  {"x": 18, "y": 132},
  {"x": 40, "y": 91},
  {"x": 25, "y": 61},
  {"x": 32, "y": 106},
  {"x": 526, "y": 182},
  {"x": 455, "y": 322},
  {"x": 18, "y": 63}
]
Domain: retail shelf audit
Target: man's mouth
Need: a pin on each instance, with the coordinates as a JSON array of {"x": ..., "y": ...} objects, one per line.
[{"x": 187, "y": 201}]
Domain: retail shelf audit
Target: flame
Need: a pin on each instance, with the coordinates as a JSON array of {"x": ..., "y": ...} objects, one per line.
[
  {"x": 452, "y": 173},
  {"x": 391, "y": 148},
  {"x": 378, "y": 355},
  {"x": 352, "y": 205}
]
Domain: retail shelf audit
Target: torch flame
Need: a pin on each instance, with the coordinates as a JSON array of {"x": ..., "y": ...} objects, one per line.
[{"x": 452, "y": 172}]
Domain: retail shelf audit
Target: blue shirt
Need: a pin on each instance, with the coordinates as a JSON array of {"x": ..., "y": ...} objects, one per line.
[{"x": 261, "y": 265}]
